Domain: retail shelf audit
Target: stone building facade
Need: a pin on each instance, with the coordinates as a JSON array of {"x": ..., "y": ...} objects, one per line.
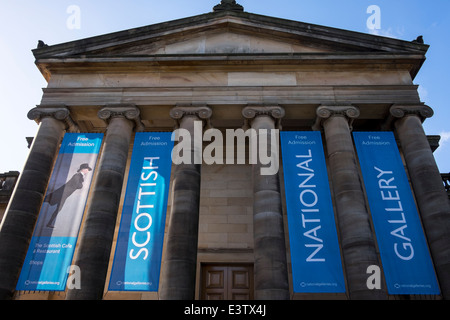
[
  {"x": 228, "y": 69},
  {"x": 7, "y": 183}
]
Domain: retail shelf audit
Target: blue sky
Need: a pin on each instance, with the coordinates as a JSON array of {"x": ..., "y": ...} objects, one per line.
[{"x": 24, "y": 22}]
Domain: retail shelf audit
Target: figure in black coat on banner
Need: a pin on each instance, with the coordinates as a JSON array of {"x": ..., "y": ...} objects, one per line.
[{"x": 60, "y": 195}]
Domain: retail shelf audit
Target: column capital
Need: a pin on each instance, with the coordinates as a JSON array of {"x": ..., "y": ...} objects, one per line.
[
  {"x": 127, "y": 111},
  {"x": 251, "y": 112},
  {"x": 422, "y": 111},
  {"x": 59, "y": 112},
  {"x": 325, "y": 112},
  {"x": 398, "y": 111},
  {"x": 201, "y": 111}
]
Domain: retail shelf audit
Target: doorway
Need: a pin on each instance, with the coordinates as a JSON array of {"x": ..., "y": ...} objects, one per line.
[{"x": 227, "y": 282}]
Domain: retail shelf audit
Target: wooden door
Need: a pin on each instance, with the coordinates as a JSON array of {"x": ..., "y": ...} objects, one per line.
[{"x": 227, "y": 282}]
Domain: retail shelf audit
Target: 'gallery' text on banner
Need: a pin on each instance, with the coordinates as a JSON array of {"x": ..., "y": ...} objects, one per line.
[{"x": 403, "y": 248}]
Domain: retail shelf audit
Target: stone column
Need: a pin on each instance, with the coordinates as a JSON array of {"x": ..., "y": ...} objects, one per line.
[
  {"x": 357, "y": 242},
  {"x": 98, "y": 231},
  {"x": 179, "y": 269},
  {"x": 429, "y": 191},
  {"x": 270, "y": 267},
  {"x": 19, "y": 221}
]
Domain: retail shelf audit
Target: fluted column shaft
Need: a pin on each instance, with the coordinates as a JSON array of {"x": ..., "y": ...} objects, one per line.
[
  {"x": 97, "y": 235},
  {"x": 19, "y": 221},
  {"x": 180, "y": 263},
  {"x": 270, "y": 267},
  {"x": 426, "y": 180},
  {"x": 357, "y": 242}
]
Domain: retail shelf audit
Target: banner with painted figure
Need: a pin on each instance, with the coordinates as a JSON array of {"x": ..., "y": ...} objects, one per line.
[
  {"x": 403, "y": 247},
  {"x": 50, "y": 252},
  {"x": 137, "y": 259},
  {"x": 315, "y": 253}
]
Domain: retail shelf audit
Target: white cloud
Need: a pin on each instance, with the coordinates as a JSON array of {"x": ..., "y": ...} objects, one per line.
[
  {"x": 423, "y": 93},
  {"x": 442, "y": 153},
  {"x": 383, "y": 32},
  {"x": 445, "y": 137},
  {"x": 444, "y": 142},
  {"x": 389, "y": 32}
]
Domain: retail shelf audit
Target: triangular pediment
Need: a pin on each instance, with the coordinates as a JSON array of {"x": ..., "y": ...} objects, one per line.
[
  {"x": 228, "y": 32},
  {"x": 220, "y": 41}
]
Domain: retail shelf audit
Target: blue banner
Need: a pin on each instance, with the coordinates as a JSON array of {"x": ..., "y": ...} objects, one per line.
[
  {"x": 403, "y": 248},
  {"x": 137, "y": 260},
  {"x": 315, "y": 254},
  {"x": 51, "y": 249}
]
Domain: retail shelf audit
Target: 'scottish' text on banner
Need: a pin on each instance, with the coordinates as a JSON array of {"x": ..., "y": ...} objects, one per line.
[{"x": 137, "y": 260}]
